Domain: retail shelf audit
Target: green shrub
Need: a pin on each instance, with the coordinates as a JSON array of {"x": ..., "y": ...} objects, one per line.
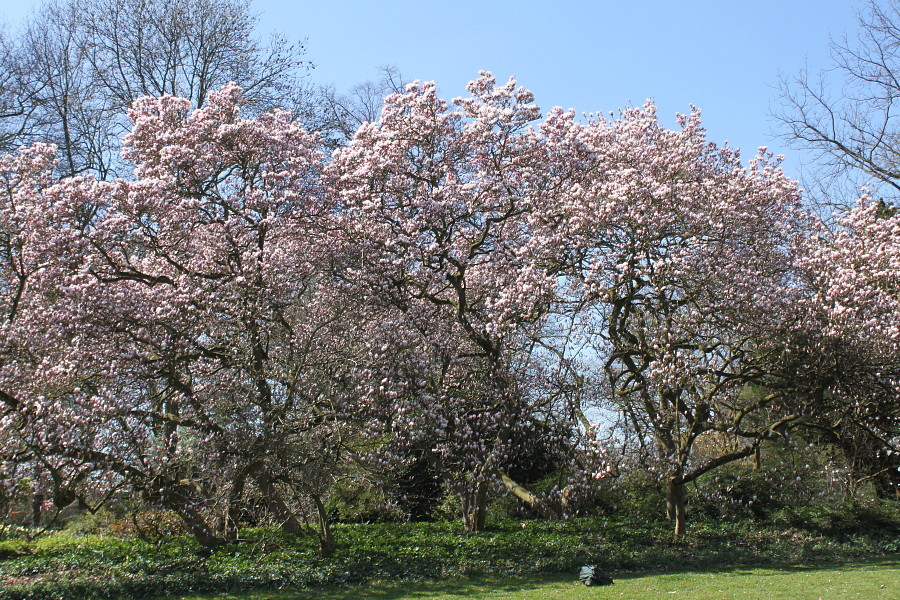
[
  {"x": 87, "y": 523},
  {"x": 843, "y": 521},
  {"x": 354, "y": 503},
  {"x": 636, "y": 495},
  {"x": 151, "y": 525}
]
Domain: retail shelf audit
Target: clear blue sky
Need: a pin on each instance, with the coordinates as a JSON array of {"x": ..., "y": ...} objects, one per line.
[{"x": 724, "y": 56}]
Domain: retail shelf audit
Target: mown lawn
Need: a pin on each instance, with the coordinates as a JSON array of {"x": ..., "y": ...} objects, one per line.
[{"x": 865, "y": 580}]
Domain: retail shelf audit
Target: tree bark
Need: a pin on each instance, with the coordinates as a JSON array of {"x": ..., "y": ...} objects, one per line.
[
  {"x": 37, "y": 505},
  {"x": 894, "y": 475},
  {"x": 675, "y": 507},
  {"x": 286, "y": 517},
  {"x": 326, "y": 539},
  {"x": 474, "y": 508},
  {"x": 199, "y": 527}
]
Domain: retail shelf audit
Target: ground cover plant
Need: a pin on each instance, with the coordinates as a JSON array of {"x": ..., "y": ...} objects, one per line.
[{"x": 67, "y": 565}]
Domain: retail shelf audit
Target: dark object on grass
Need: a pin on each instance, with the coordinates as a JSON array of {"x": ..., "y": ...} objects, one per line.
[{"x": 591, "y": 575}]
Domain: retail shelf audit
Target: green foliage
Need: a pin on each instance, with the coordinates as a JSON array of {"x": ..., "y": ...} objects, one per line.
[
  {"x": 638, "y": 494},
  {"x": 739, "y": 491},
  {"x": 87, "y": 523},
  {"x": 871, "y": 579},
  {"x": 845, "y": 521},
  {"x": 789, "y": 475},
  {"x": 360, "y": 504},
  {"x": 11, "y": 548}
]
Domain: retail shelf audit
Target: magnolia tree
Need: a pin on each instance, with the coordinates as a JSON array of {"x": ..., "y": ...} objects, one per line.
[
  {"x": 199, "y": 339},
  {"x": 679, "y": 266},
  {"x": 42, "y": 247},
  {"x": 436, "y": 203}
]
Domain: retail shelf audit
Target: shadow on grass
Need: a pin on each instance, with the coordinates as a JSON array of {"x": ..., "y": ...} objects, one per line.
[
  {"x": 462, "y": 588},
  {"x": 851, "y": 565},
  {"x": 856, "y": 564},
  {"x": 485, "y": 586}
]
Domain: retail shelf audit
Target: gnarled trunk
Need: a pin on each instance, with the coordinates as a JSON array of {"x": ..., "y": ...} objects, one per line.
[
  {"x": 198, "y": 526},
  {"x": 289, "y": 521},
  {"x": 184, "y": 497}
]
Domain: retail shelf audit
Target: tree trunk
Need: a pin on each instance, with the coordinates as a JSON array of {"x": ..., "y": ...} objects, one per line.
[
  {"x": 286, "y": 517},
  {"x": 675, "y": 508},
  {"x": 887, "y": 484},
  {"x": 474, "y": 508},
  {"x": 184, "y": 497},
  {"x": 205, "y": 535},
  {"x": 230, "y": 518},
  {"x": 326, "y": 539},
  {"x": 894, "y": 478},
  {"x": 894, "y": 475},
  {"x": 37, "y": 506}
]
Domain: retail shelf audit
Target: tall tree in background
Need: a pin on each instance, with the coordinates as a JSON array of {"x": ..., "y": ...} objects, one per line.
[
  {"x": 14, "y": 101},
  {"x": 336, "y": 116},
  {"x": 80, "y": 65},
  {"x": 187, "y": 48},
  {"x": 68, "y": 108}
]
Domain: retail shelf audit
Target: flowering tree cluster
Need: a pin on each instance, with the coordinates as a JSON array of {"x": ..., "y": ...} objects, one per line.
[{"x": 228, "y": 329}]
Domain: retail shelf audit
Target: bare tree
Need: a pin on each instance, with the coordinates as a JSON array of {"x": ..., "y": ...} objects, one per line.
[
  {"x": 186, "y": 48},
  {"x": 80, "y": 64},
  {"x": 849, "y": 115},
  {"x": 65, "y": 105},
  {"x": 15, "y": 106},
  {"x": 337, "y": 115}
]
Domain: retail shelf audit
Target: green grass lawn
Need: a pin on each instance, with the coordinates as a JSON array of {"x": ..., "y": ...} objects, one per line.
[{"x": 866, "y": 580}]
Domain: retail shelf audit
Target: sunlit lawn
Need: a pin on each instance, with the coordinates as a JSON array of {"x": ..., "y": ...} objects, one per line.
[{"x": 866, "y": 580}]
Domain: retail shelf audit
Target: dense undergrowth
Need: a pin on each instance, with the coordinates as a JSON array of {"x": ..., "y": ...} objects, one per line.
[{"x": 67, "y": 565}]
